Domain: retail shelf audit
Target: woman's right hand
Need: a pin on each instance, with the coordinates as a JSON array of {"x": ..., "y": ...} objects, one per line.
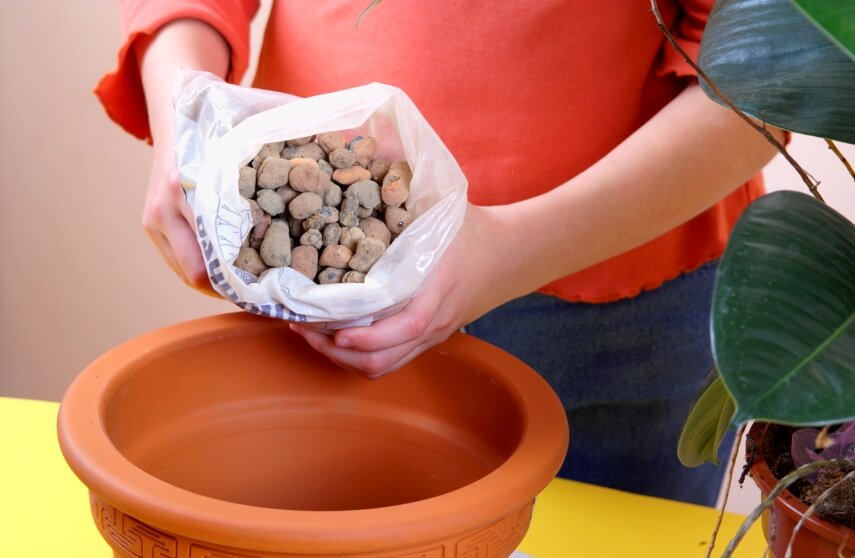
[
  {"x": 169, "y": 222},
  {"x": 191, "y": 45}
]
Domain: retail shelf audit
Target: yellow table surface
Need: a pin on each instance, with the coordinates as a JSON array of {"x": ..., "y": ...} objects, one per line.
[{"x": 44, "y": 508}]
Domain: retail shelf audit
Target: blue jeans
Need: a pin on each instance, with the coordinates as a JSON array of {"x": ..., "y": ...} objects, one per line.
[{"x": 627, "y": 373}]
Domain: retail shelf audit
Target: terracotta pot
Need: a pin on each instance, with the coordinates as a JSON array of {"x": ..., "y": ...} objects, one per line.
[
  {"x": 229, "y": 437},
  {"x": 816, "y": 538}
]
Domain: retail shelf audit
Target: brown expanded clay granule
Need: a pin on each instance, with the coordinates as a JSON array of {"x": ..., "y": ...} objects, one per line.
[{"x": 323, "y": 206}]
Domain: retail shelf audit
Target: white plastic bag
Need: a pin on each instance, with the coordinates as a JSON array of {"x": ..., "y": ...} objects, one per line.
[{"x": 220, "y": 128}]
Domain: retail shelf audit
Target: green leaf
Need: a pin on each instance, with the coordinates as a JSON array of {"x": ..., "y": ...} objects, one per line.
[
  {"x": 706, "y": 425},
  {"x": 836, "y": 18},
  {"x": 783, "y": 318},
  {"x": 775, "y": 65}
]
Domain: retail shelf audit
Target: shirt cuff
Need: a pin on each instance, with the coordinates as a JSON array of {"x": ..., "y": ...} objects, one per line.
[{"x": 121, "y": 92}]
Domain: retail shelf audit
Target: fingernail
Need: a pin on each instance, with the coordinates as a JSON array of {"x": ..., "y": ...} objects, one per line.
[{"x": 343, "y": 342}]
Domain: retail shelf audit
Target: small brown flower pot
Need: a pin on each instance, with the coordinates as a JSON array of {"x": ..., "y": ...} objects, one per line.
[
  {"x": 816, "y": 538},
  {"x": 228, "y": 437}
]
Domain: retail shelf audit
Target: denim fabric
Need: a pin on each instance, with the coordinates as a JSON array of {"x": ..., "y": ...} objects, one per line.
[{"x": 627, "y": 373}]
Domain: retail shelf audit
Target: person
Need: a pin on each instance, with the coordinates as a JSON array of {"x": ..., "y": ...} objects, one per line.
[{"x": 603, "y": 184}]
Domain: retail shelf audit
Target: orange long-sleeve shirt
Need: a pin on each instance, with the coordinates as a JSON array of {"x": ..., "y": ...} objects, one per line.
[{"x": 525, "y": 94}]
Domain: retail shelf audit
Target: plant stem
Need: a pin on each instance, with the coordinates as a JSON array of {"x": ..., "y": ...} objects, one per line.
[
  {"x": 811, "y": 184},
  {"x": 789, "y": 479},
  {"x": 812, "y": 509},
  {"x": 733, "y": 455},
  {"x": 365, "y": 11},
  {"x": 840, "y": 156}
]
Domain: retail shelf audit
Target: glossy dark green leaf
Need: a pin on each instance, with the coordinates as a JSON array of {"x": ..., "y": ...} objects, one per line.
[
  {"x": 706, "y": 425},
  {"x": 777, "y": 66},
  {"x": 834, "y": 17},
  {"x": 783, "y": 319}
]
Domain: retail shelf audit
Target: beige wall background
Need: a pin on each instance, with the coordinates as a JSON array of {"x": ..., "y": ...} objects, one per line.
[{"x": 79, "y": 275}]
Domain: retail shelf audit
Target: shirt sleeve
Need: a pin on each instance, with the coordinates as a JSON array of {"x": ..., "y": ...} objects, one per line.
[
  {"x": 121, "y": 92},
  {"x": 687, "y": 24}
]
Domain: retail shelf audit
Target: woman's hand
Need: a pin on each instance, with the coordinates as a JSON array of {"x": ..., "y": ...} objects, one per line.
[
  {"x": 169, "y": 222},
  {"x": 188, "y": 44},
  {"x": 458, "y": 291}
]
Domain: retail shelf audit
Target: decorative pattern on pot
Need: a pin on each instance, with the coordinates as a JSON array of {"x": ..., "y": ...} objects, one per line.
[
  {"x": 130, "y": 536},
  {"x": 133, "y": 538},
  {"x": 499, "y": 539}
]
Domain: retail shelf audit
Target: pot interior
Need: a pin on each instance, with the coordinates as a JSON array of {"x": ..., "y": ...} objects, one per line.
[{"x": 257, "y": 417}]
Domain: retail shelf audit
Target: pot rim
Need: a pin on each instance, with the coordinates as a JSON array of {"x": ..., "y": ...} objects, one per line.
[
  {"x": 163, "y": 505},
  {"x": 786, "y": 501}
]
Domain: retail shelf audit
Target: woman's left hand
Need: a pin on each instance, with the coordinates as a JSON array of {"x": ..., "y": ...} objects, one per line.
[{"x": 456, "y": 293}]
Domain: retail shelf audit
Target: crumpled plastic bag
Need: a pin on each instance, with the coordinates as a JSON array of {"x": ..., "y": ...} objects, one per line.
[{"x": 220, "y": 127}]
